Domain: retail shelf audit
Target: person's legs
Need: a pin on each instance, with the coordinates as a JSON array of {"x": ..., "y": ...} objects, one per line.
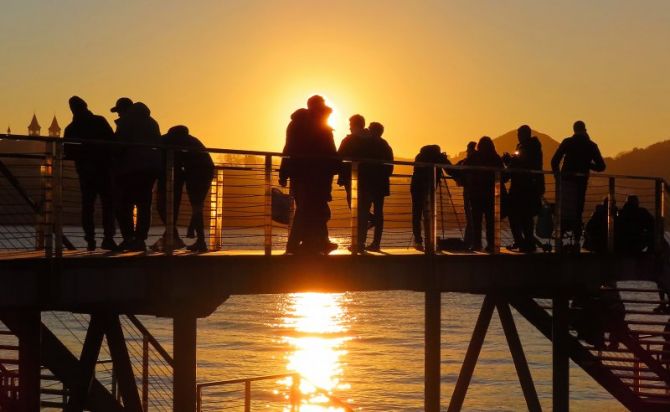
[
  {"x": 89, "y": 191},
  {"x": 378, "y": 208},
  {"x": 490, "y": 222},
  {"x": 364, "y": 204},
  {"x": 143, "y": 196},
  {"x": 467, "y": 206},
  {"x": 477, "y": 215},
  {"x": 296, "y": 232},
  {"x": 197, "y": 193},
  {"x": 124, "y": 206},
  {"x": 582, "y": 184},
  {"x": 417, "y": 214},
  {"x": 106, "y": 192}
]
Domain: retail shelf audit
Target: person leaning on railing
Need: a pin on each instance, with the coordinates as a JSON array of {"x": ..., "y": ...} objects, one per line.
[
  {"x": 195, "y": 169},
  {"x": 579, "y": 155}
]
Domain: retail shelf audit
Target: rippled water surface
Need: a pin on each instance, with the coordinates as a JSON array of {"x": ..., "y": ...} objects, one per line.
[{"x": 366, "y": 348}]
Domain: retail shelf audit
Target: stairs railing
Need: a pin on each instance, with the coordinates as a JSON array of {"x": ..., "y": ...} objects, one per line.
[{"x": 294, "y": 396}]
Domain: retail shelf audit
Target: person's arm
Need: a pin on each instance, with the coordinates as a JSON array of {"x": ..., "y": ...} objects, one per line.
[
  {"x": 558, "y": 156},
  {"x": 598, "y": 164},
  {"x": 389, "y": 157},
  {"x": 70, "y": 150}
]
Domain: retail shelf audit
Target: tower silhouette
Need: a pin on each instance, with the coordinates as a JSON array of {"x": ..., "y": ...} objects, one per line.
[
  {"x": 34, "y": 127},
  {"x": 54, "y": 129}
]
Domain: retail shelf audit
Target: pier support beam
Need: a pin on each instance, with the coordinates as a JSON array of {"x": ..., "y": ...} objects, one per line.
[
  {"x": 184, "y": 339},
  {"x": 29, "y": 360},
  {"x": 472, "y": 354},
  {"x": 561, "y": 360},
  {"x": 432, "y": 351}
]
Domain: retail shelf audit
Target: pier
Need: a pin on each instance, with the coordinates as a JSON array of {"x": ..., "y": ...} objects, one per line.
[{"x": 43, "y": 267}]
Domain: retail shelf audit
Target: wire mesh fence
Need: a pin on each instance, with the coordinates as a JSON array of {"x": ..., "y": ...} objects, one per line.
[{"x": 41, "y": 204}]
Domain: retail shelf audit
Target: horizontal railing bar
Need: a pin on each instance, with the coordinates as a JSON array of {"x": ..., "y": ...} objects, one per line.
[
  {"x": 280, "y": 155},
  {"x": 243, "y": 380}
]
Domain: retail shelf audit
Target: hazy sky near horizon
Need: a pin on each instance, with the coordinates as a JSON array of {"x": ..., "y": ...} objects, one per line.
[{"x": 441, "y": 72}]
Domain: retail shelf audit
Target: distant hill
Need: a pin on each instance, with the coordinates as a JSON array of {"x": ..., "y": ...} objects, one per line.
[
  {"x": 652, "y": 160},
  {"x": 508, "y": 141}
]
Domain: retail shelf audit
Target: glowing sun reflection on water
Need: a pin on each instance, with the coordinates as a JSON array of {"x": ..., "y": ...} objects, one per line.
[{"x": 315, "y": 329}]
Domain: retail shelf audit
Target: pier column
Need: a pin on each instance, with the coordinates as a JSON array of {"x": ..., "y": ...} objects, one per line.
[
  {"x": 561, "y": 361},
  {"x": 432, "y": 351},
  {"x": 184, "y": 339},
  {"x": 29, "y": 360}
]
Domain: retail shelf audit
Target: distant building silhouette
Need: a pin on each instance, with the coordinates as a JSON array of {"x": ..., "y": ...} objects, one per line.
[
  {"x": 9, "y": 130},
  {"x": 34, "y": 127},
  {"x": 54, "y": 129}
]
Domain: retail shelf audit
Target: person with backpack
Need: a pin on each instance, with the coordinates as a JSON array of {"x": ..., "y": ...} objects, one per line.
[{"x": 424, "y": 180}]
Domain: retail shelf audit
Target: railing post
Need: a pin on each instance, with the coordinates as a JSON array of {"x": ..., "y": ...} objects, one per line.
[
  {"x": 560, "y": 359},
  {"x": 168, "y": 240},
  {"x": 611, "y": 203},
  {"x": 57, "y": 208},
  {"x": 496, "y": 212},
  {"x": 558, "y": 214},
  {"x": 268, "y": 206},
  {"x": 659, "y": 237},
  {"x": 47, "y": 205},
  {"x": 247, "y": 396},
  {"x": 429, "y": 214},
  {"x": 216, "y": 211},
  {"x": 145, "y": 372},
  {"x": 354, "y": 208},
  {"x": 198, "y": 398}
]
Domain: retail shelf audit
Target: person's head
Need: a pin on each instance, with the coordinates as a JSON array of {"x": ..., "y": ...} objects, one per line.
[
  {"x": 376, "y": 129},
  {"x": 179, "y": 130},
  {"x": 633, "y": 201},
  {"x": 485, "y": 145},
  {"x": 579, "y": 127},
  {"x": 523, "y": 133},
  {"x": 317, "y": 105},
  {"x": 139, "y": 110},
  {"x": 77, "y": 105},
  {"x": 471, "y": 148},
  {"x": 122, "y": 106},
  {"x": 356, "y": 124}
]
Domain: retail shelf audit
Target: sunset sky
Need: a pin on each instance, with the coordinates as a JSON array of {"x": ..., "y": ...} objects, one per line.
[{"x": 441, "y": 72}]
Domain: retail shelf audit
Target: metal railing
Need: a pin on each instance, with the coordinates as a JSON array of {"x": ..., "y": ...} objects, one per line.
[
  {"x": 39, "y": 203},
  {"x": 295, "y": 396}
]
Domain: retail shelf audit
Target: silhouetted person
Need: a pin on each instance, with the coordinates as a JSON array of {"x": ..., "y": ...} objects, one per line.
[
  {"x": 482, "y": 192},
  {"x": 526, "y": 189},
  {"x": 633, "y": 228},
  {"x": 460, "y": 178},
  {"x": 137, "y": 168},
  {"x": 422, "y": 183},
  {"x": 351, "y": 146},
  {"x": 374, "y": 185},
  {"x": 310, "y": 165},
  {"x": 197, "y": 172},
  {"x": 579, "y": 155},
  {"x": 595, "y": 231},
  {"x": 93, "y": 165}
]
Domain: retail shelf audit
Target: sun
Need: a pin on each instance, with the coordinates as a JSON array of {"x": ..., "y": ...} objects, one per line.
[{"x": 334, "y": 118}]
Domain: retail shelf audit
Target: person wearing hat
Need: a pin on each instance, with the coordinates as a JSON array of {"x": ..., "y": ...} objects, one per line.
[
  {"x": 93, "y": 165},
  {"x": 310, "y": 164}
]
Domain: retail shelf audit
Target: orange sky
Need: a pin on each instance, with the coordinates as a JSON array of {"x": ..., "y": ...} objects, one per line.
[{"x": 430, "y": 71}]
